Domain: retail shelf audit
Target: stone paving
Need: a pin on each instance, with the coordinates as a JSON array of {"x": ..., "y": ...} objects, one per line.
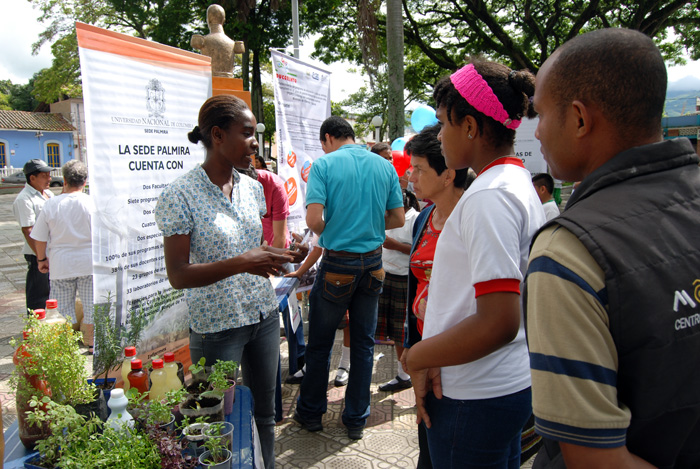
[{"x": 390, "y": 439}]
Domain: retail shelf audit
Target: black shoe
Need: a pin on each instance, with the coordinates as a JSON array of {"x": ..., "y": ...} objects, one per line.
[
  {"x": 355, "y": 433},
  {"x": 293, "y": 379},
  {"x": 398, "y": 386},
  {"x": 341, "y": 377},
  {"x": 308, "y": 426}
]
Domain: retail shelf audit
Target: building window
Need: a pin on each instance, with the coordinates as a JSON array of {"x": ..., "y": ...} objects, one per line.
[
  {"x": 54, "y": 155},
  {"x": 3, "y": 155}
]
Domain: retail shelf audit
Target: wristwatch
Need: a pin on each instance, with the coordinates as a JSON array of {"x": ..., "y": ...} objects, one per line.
[{"x": 41, "y": 260}]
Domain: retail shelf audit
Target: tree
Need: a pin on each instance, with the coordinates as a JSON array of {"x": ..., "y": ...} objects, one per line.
[
  {"x": 523, "y": 33},
  {"x": 394, "y": 46}
]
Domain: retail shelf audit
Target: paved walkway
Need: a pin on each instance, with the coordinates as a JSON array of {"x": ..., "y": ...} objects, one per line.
[{"x": 390, "y": 439}]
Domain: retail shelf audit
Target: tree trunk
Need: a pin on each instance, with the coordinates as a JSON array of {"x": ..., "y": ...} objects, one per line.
[
  {"x": 256, "y": 97},
  {"x": 245, "y": 67},
  {"x": 394, "y": 44}
]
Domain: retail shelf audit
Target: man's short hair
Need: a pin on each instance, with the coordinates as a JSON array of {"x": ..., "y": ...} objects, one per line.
[
  {"x": 543, "y": 179},
  {"x": 75, "y": 173},
  {"x": 336, "y": 127},
  {"x": 619, "y": 70},
  {"x": 378, "y": 148}
]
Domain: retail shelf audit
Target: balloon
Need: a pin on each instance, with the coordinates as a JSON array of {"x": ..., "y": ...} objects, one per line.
[
  {"x": 398, "y": 144},
  {"x": 423, "y": 116},
  {"x": 401, "y": 162}
]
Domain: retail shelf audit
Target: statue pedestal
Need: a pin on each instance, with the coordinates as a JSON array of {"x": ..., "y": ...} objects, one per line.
[{"x": 232, "y": 86}]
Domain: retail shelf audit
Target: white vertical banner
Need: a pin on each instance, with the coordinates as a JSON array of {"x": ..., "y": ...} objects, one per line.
[
  {"x": 141, "y": 99},
  {"x": 527, "y": 147},
  {"x": 302, "y": 103}
]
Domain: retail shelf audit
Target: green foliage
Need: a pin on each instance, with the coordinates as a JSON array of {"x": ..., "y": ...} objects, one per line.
[
  {"x": 69, "y": 430},
  {"x": 220, "y": 374},
  {"x": 152, "y": 412},
  {"x": 217, "y": 450},
  {"x": 55, "y": 359},
  {"x": 62, "y": 79},
  {"x": 198, "y": 368}
]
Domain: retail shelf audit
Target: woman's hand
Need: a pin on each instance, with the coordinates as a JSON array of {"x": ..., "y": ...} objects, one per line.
[
  {"x": 264, "y": 262},
  {"x": 297, "y": 273}
]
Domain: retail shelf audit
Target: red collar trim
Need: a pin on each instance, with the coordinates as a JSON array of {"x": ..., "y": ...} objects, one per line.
[{"x": 503, "y": 160}]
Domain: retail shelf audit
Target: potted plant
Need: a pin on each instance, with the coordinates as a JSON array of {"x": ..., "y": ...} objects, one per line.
[
  {"x": 172, "y": 452},
  {"x": 193, "y": 433},
  {"x": 67, "y": 427},
  {"x": 209, "y": 405},
  {"x": 223, "y": 431},
  {"x": 222, "y": 380},
  {"x": 154, "y": 413},
  {"x": 215, "y": 455},
  {"x": 198, "y": 383},
  {"x": 56, "y": 362}
]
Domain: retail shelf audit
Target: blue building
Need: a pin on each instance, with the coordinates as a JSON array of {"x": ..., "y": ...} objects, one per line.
[{"x": 28, "y": 135}]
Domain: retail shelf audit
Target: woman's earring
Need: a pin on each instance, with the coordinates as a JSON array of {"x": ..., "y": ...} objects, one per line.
[{"x": 469, "y": 136}]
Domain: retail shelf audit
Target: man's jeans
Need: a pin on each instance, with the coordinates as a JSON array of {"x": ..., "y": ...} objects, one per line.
[
  {"x": 342, "y": 283},
  {"x": 257, "y": 349}
]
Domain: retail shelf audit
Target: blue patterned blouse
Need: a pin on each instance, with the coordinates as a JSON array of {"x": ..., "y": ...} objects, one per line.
[{"x": 219, "y": 229}]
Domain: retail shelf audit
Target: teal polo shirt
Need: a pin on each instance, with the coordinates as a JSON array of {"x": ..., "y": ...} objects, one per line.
[{"x": 356, "y": 187}]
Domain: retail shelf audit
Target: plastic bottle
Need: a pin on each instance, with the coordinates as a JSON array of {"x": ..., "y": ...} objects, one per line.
[
  {"x": 52, "y": 314},
  {"x": 129, "y": 356},
  {"x": 29, "y": 435},
  {"x": 119, "y": 416},
  {"x": 172, "y": 383},
  {"x": 137, "y": 377},
  {"x": 40, "y": 314},
  {"x": 158, "y": 381}
]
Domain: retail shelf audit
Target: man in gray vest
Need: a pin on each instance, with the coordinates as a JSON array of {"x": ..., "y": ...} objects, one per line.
[{"x": 613, "y": 296}]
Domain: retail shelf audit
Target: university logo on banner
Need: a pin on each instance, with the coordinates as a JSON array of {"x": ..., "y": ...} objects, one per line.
[{"x": 141, "y": 100}]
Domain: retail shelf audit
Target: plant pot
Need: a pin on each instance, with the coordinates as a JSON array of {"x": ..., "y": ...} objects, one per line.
[
  {"x": 209, "y": 405},
  {"x": 224, "y": 433},
  {"x": 194, "y": 434},
  {"x": 34, "y": 463},
  {"x": 106, "y": 387},
  {"x": 29, "y": 434},
  {"x": 169, "y": 426},
  {"x": 222, "y": 465},
  {"x": 229, "y": 397},
  {"x": 196, "y": 387},
  {"x": 97, "y": 406}
]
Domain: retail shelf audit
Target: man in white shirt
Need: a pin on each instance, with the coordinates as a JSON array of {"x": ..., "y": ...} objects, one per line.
[
  {"x": 544, "y": 185},
  {"x": 27, "y": 207}
]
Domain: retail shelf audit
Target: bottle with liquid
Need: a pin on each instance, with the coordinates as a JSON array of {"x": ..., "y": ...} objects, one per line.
[
  {"x": 172, "y": 383},
  {"x": 28, "y": 434},
  {"x": 158, "y": 381},
  {"x": 138, "y": 378},
  {"x": 40, "y": 314},
  {"x": 119, "y": 417},
  {"x": 129, "y": 356},
  {"x": 52, "y": 314}
]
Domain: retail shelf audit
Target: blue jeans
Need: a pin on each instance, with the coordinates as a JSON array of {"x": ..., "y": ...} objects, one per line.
[
  {"x": 477, "y": 433},
  {"x": 342, "y": 283},
  {"x": 257, "y": 348}
]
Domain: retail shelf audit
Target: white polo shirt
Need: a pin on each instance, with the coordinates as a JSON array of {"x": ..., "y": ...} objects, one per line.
[
  {"x": 483, "y": 248},
  {"x": 27, "y": 207},
  {"x": 396, "y": 262}
]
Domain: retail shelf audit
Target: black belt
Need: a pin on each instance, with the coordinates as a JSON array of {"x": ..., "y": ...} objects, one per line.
[{"x": 352, "y": 254}]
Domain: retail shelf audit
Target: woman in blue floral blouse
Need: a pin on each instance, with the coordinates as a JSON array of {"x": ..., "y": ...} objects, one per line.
[{"x": 212, "y": 230}]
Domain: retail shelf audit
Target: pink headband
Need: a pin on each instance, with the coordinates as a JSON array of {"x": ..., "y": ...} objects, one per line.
[{"x": 479, "y": 94}]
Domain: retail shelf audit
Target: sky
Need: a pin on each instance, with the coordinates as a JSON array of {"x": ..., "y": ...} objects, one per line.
[{"x": 21, "y": 29}]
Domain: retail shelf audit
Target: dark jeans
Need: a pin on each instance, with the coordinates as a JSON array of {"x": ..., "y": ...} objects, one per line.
[
  {"x": 477, "y": 433},
  {"x": 257, "y": 348},
  {"x": 37, "y": 287},
  {"x": 342, "y": 283}
]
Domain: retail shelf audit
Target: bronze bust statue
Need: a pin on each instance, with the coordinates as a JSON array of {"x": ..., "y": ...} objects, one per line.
[{"x": 217, "y": 45}]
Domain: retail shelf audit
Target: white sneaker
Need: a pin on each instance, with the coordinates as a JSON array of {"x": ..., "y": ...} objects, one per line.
[{"x": 341, "y": 378}]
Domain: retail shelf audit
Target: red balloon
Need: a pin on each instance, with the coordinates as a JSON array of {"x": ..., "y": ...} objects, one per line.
[{"x": 401, "y": 162}]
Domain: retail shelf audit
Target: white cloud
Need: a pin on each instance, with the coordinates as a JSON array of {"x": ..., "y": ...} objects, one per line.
[
  {"x": 20, "y": 29},
  {"x": 675, "y": 73}
]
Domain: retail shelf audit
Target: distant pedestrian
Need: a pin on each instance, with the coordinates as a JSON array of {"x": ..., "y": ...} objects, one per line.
[{"x": 544, "y": 186}]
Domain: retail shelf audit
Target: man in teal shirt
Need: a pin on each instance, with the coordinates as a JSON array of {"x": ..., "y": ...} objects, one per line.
[{"x": 352, "y": 197}]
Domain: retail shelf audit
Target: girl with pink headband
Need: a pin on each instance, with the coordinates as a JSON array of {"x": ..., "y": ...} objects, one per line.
[{"x": 471, "y": 372}]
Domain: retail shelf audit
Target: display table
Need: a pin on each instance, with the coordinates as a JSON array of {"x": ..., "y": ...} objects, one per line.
[{"x": 245, "y": 449}]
